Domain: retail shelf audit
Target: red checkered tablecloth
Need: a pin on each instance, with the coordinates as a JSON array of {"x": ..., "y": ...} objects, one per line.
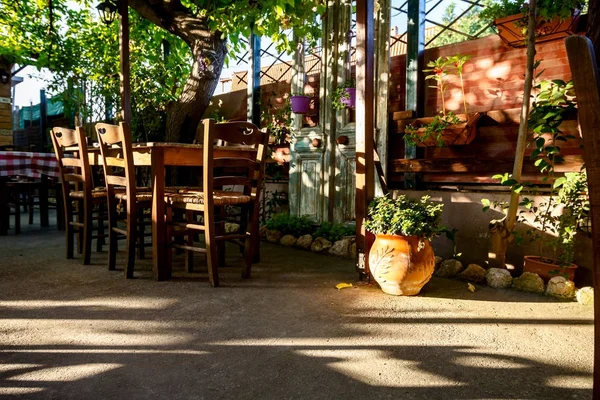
[{"x": 24, "y": 163}]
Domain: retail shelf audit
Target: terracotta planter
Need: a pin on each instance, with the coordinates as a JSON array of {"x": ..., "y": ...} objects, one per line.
[
  {"x": 398, "y": 266},
  {"x": 510, "y": 29},
  {"x": 300, "y": 104},
  {"x": 454, "y": 135},
  {"x": 547, "y": 271}
]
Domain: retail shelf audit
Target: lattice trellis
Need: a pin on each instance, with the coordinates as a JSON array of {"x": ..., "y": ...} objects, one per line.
[{"x": 435, "y": 29}]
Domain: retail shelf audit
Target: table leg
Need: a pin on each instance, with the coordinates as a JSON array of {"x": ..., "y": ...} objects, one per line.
[
  {"x": 43, "y": 200},
  {"x": 4, "y": 210},
  {"x": 160, "y": 267}
]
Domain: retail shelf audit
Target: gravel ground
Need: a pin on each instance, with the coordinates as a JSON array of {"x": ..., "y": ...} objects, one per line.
[{"x": 70, "y": 331}]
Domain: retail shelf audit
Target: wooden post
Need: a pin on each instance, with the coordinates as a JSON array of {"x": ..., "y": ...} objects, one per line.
[
  {"x": 382, "y": 67},
  {"x": 125, "y": 67},
  {"x": 415, "y": 49},
  {"x": 365, "y": 138},
  {"x": 253, "y": 105},
  {"x": 584, "y": 70}
]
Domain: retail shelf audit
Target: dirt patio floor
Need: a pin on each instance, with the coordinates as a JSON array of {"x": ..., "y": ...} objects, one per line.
[{"x": 70, "y": 331}]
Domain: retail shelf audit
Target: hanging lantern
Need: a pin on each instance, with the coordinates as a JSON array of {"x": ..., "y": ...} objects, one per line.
[
  {"x": 208, "y": 63},
  {"x": 107, "y": 11}
]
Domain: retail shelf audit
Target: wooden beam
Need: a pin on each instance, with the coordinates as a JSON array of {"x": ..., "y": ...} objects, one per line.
[
  {"x": 365, "y": 134},
  {"x": 584, "y": 70},
  {"x": 474, "y": 164},
  {"x": 125, "y": 66}
]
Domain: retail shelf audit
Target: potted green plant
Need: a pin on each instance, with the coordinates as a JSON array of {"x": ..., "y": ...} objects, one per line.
[
  {"x": 446, "y": 128},
  {"x": 344, "y": 96},
  {"x": 565, "y": 203},
  {"x": 401, "y": 259},
  {"x": 555, "y": 19}
]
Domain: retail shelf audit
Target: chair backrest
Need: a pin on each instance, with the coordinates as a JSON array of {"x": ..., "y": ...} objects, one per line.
[
  {"x": 76, "y": 167},
  {"x": 234, "y": 171},
  {"x": 116, "y": 150}
]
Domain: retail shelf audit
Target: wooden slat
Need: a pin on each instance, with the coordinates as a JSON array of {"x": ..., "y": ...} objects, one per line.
[
  {"x": 71, "y": 162},
  {"x": 115, "y": 162},
  {"x": 116, "y": 180},
  {"x": 235, "y": 163},
  {"x": 72, "y": 178}
]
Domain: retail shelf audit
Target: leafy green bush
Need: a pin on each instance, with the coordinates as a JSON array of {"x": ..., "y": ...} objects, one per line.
[
  {"x": 291, "y": 225},
  {"x": 334, "y": 232},
  {"x": 405, "y": 216}
]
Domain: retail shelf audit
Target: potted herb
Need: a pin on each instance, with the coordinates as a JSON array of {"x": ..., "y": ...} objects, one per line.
[
  {"x": 401, "y": 259},
  {"x": 344, "y": 96},
  {"x": 447, "y": 128},
  {"x": 555, "y": 19},
  {"x": 565, "y": 204}
]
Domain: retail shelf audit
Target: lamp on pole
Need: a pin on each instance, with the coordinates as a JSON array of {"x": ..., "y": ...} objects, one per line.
[{"x": 108, "y": 11}]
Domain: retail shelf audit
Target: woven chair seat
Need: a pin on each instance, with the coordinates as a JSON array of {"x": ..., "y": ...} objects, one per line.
[
  {"x": 220, "y": 198},
  {"x": 139, "y": 196}
]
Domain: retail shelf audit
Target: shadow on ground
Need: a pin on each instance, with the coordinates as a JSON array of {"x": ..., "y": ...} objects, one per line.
[{"x": 69, "y": 331}]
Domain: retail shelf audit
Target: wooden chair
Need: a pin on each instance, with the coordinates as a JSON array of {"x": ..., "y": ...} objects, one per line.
[
  {"x": 233, "y": 171},
  {"x": 78, "y": 187},
  {"x": 116, "y": 150}
]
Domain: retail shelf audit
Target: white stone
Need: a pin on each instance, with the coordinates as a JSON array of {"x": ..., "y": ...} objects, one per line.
[
  {"x": 561, "y": 288},
  {"x": 473, "y": 273},
  {"x": 341, "y": 248},
  {"x": 320, "y": 245},
  {"x": 498, "y": 278},
  {"x": 585, "y": 296},
  {"x": 304, "y": 242}
]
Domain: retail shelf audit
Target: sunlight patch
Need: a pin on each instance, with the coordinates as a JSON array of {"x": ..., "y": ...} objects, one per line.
[
  {"x": 489, "y": 361},
  {"x": 136, "y": 303},
  {"x": 14, "y": 391},
  {"x": 571, "y": 382},
  {"x": 379, "y": 368},
  {"x": 67, "y": 373}
]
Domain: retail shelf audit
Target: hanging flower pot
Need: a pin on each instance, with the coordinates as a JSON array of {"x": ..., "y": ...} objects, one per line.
[
  {"x": 300, "y": 104},
  {"x": 350, "y": 99}
]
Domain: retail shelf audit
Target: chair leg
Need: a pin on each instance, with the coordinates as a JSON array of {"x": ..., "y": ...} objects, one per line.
[
  {"x": 100, "y": 241},
  {"x": 251, "y": 236},
  {"x": 87, "y": 231},
  {"x": 141, "y": 229},
  {"x": 189, "y": 254},
  {"x": 31, "y": 207},
  {"x": 169, "y": 238},
  {"x": 18, "y": 214},
  {"x": 211, "y": 248},
  {"x": 113, "y": 242},
  {"x": 131, "y": 237},
  {"x": 60, "y": 210},
  {"x": 80, "y": 219},
  {"x": 69, "y": 233}
]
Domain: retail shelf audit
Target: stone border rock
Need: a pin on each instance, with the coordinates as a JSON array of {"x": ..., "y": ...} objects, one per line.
[
  {"x": 558, "y": 287},
  {"x": 345, "y": 247}
]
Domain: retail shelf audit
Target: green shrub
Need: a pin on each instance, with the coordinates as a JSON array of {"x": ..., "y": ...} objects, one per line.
[
  {"x": 405, "y": 216},
  {"x": 334, "y": 232},
  {"x": 291, "y": 225}
]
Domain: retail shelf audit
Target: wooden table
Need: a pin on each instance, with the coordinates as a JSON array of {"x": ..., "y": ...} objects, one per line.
[{"x": 158, "y": 156}]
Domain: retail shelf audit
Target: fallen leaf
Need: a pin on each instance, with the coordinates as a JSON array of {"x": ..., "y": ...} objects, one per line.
[
  {"x": 471, "y": 288},
  {"x": 343, "y": 285}
]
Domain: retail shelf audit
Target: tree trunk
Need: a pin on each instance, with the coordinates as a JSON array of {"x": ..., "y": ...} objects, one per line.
[{"x": 184, "y": 115}]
